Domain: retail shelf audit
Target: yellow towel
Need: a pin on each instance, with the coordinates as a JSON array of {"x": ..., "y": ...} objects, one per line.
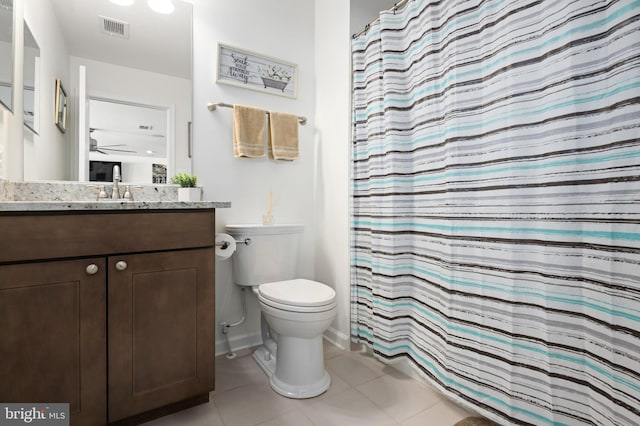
[
  {"x": 283, "y": 136},
  {"x": 248, "y": 131}
]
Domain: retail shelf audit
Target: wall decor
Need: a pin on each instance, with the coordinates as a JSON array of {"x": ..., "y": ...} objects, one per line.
[
  {"x": 159, "y": 173},
  {"x": 60, "y": 119},
  {"x": 254, "y": 71}
]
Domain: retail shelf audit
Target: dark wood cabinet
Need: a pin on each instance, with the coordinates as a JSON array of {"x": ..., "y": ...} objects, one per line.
[
  {"x": 112, "y": 313},
  {"x": 53, "y": 336},
  {"x": 160, "y": 329}
]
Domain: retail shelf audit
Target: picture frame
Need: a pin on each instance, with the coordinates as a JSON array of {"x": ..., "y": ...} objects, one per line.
[
  {"x": 251, "y": 70},
  {"x": 60, "y": 118},
  {"x": 159, "y": 173}
]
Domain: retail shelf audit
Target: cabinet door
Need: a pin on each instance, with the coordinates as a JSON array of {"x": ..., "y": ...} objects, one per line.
[
  {"x": 161, "y": 329},
  {"x": 53, "y": 336}
]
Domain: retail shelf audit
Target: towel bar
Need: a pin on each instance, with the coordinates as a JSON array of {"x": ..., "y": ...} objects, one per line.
[{"x": 212, "y": 106}]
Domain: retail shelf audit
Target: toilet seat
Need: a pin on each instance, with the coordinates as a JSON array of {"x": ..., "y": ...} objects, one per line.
[{"x": 298, "y": 295}]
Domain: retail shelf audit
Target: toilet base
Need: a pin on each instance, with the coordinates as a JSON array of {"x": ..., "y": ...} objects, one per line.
[
  {"x": 297, "y": 392},
  {"x": 265, "y": 360},
  {"x": 320, "y": 383}
]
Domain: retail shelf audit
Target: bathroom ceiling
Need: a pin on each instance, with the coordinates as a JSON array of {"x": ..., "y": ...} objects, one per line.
[{"x": 155, "y": 43}]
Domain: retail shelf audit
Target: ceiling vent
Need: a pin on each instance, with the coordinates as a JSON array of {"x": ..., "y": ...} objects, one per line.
[{"x": 113, "y": 27}]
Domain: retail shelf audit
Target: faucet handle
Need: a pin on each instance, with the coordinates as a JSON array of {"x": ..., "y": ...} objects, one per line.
[
  {"x": 102, "y": 192},
  {"x": 128, "y": 195},
  {"x": 115, "y": 190}
]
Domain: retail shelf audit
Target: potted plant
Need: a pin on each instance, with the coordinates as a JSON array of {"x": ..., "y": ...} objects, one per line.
[{"x": 188, "y": 190}]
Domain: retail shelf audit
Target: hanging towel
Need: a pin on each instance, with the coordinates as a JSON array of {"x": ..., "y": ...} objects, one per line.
[
  {"x": 248, "y": 131},
  {"x": 283, "y": 136}
]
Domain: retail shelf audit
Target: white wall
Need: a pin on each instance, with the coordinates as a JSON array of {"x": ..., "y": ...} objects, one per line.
[
  {"x": 4, "y": 136},
  {"x": 46, "y": 154},
  {"x": 333, "y": 124},
  {"x": 12, "y": 128},
  {"x": 6, "y": 72},
  {"x": 336, "y": 21},
  {"x": 365, "y": 11},
  {"x": 6, "y": 94},
  {"x": 283, "y": 29}
]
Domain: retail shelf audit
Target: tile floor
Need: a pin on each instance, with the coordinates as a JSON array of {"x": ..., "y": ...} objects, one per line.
[{"x": 363, "y": 392}]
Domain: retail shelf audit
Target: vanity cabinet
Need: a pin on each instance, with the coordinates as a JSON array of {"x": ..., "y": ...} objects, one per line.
[
  {"x": 53, "y": 336},
  {"x": 111, "y": 312},
  {"x": 160, "y": 329}
]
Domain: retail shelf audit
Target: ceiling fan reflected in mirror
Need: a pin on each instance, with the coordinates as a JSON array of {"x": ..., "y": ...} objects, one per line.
[
  {"x": 94, "y": 147},
  {"x": 142, "y": 130}
]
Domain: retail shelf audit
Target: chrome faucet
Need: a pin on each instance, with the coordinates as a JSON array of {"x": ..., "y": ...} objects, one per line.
[{"x": 117, "y": 178}]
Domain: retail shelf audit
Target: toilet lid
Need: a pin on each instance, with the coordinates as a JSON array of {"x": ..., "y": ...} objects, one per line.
[{"x": 298, "y": 292}]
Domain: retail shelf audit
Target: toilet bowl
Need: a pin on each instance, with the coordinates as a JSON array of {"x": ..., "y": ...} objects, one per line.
[
  {"x": 295, "y": 312},
  {"x": 299, "y": 324}
]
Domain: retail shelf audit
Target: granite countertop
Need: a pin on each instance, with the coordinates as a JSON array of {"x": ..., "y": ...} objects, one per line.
[{"x": 43, "y": 206}]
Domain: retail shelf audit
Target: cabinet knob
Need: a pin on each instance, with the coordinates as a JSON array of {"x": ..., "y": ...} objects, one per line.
[
  {"x": 92, "y": 269},
  {"x": 121, "y": 265}
]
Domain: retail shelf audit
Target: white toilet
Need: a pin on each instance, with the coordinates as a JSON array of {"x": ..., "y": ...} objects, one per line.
[{"x": 295, "y": 312}]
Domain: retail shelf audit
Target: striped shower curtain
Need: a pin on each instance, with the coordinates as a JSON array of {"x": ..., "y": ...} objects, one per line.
[{"x": 496, "y": 203}]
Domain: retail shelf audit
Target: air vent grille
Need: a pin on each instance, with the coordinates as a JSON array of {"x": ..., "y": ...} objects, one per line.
[{"x": 114, "y": 27}]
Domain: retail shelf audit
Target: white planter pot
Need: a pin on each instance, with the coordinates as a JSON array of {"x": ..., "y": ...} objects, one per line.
[{"x": 190, "y": 194}]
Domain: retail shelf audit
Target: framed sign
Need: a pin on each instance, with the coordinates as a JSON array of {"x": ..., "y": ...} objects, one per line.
[{"x": 251, "y": 70}]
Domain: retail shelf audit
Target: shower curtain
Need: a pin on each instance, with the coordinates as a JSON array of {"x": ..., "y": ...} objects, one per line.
[{"x": 496, "y": 204}]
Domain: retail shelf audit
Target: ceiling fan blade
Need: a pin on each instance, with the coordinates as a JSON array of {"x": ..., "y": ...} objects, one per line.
[
  {"x": 102, "y": 152},
  {"x": 118, "y": 144},
  {"x": 119, "y": 150},
  {"x": 136, "y": 132}
]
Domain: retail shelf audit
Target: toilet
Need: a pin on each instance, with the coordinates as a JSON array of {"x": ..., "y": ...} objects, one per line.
[{"x": 295, "y": 312}]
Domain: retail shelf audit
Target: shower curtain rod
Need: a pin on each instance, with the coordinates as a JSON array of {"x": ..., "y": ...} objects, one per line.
[
  {"x": 212, "y": 106},
  {"x": 395, "y": 8}
]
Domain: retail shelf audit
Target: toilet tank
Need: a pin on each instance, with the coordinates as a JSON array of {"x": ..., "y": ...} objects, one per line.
[{"x": 271, "y": 255}]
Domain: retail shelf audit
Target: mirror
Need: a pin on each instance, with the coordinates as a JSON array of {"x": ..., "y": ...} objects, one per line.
[
  {"x": 132, "y": 56},
  {"x": 132, "y": 135},
  {"x": 6, "y": 54},
  {"x": 30, "y": 71}
]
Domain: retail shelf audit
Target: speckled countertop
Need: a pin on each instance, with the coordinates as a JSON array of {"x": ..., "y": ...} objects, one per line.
[
  {"x": 81, "y": 196},
  {"x": 42, "y": 206}
]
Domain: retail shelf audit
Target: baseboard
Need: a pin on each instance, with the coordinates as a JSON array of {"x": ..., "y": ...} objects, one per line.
[
  {"x": 239, "y": 342},
  {"x": 339, "y": 339},
  {"x": 244, "y": 341}
]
